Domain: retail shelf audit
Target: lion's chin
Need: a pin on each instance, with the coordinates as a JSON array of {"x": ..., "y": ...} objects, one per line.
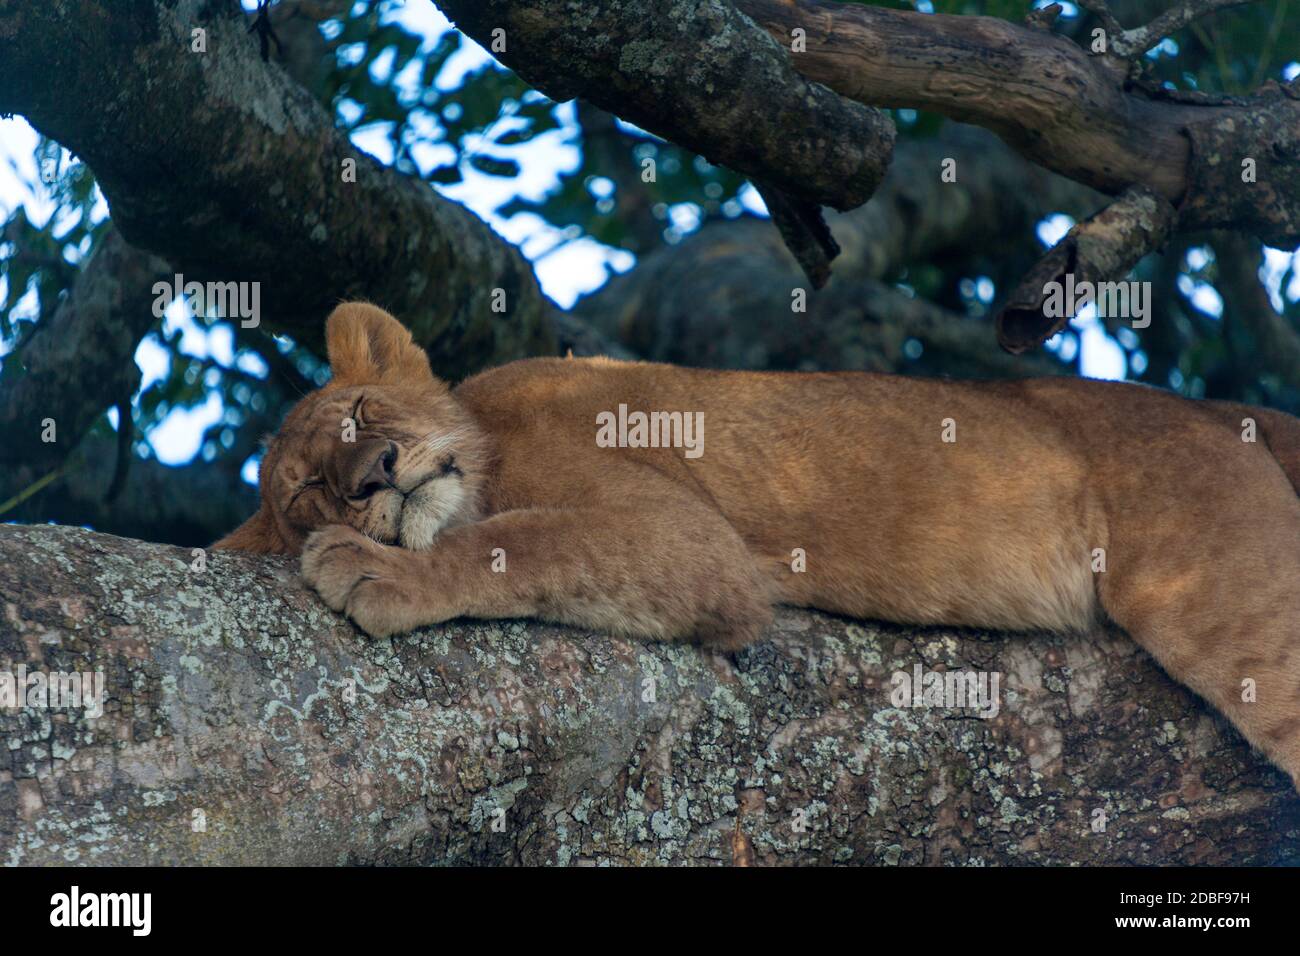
[{"x": 429, "y": 509}]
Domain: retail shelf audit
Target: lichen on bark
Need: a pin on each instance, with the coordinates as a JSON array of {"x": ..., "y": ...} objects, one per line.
[{"x": 245, "y": 723}]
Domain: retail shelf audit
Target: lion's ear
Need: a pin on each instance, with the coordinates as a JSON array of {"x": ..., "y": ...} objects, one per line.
[
  {"x": 258, "y": 534},
  {"x": 367, "y": 345}
]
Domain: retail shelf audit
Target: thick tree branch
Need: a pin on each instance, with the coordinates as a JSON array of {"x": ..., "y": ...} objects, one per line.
[
  {"x": 1245, "y": 168},
  {"x": 699, "y": 74},
  {"x": 1061, "y": 108},
  {"x": 244, "y": 723},
  {"x": 231, "y": 170}
]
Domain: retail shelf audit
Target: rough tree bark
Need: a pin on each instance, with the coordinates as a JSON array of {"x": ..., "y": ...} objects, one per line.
[
  {"x": 1211, "y": 162},
  {"x": 1068, "y": 111},
  {"x": 702, "y": 75},
  {"x": 1224, "y": 162},
  {"x": 231, "y": 170},
  {"x": 244, "y": 723}
]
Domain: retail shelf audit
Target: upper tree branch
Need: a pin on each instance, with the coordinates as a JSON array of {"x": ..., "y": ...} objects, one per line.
[
  {"x": 1135, "y": 42},
  {"x": 226, "y": 166},
  {"x": 699, "y": 74},
  {"x": 1234, "y": 165},
  {"x": 74, "y": 365}
]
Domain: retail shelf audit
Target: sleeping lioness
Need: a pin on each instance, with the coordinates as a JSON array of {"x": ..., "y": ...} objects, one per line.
[{"x": 1048, "y": 503}]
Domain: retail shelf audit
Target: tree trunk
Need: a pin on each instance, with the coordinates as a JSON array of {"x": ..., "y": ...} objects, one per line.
[{"x": 244, "y": 723}]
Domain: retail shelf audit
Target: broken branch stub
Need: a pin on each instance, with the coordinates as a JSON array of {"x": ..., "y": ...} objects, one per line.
[{"x": 1100, "y": 249}]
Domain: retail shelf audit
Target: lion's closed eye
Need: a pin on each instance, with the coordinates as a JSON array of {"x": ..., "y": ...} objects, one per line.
[
  {"x": 359, "y": 412},
  {"x": 304, "y": 486}
]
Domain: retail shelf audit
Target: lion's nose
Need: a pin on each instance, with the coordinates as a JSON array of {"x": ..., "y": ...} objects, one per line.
[{"x": 375, "y": 467}]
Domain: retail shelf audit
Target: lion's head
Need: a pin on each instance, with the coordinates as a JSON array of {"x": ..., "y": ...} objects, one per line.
[{"x": 383, "y": 447}]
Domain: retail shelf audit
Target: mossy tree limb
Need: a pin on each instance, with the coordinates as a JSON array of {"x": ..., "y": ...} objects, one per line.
[{"x": 244, "y": 723}]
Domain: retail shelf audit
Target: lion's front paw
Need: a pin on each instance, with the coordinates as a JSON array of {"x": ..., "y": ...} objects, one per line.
[{"x": 374, "y": 584}]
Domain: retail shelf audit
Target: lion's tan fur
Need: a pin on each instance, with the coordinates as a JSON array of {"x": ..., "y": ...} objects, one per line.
[{"x": 1002, "y": 527}]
